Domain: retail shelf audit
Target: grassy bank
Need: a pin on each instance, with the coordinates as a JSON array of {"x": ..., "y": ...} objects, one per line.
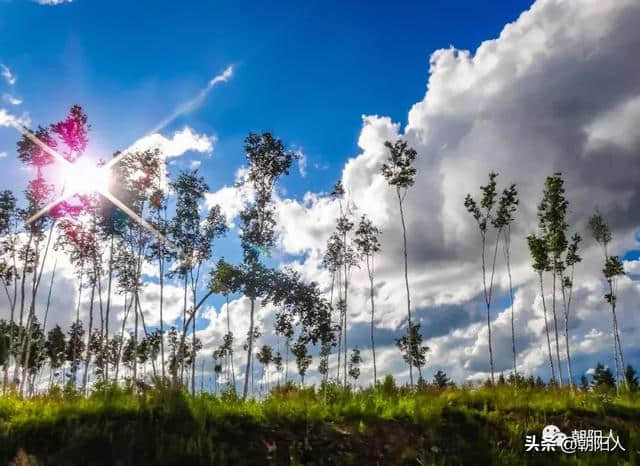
[{"x": 385, "y": 426}]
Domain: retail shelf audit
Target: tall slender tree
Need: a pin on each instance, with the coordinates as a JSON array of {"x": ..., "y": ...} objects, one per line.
[
  {"x": 552, "y": 213},
  {"x": 484, "y": 215},
  {"x": 400, "y": 174},
  {"x": 193, "y": 239},
  {"x": 267, "y": 161},
  {"x": 413, "y": 351},
  {"x": 541, "y": 264},
  {"x": 507, "y": 207},
  {"x": 159, "y": 249},
  {"x": 570, "y": 261},
  {"x": 612, "y": 269},
  {"x": 226, "y": 279},
  {"x": 368, "y": 245}
]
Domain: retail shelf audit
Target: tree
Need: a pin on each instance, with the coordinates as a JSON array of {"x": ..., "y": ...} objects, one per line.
[
  {"x": 193, "y": 238},
  {"x": 613, "y": 268},
  {"x": 55, "y": 350},
  {"x": 303, "y": 358},
  {"x": 159, "y": 249},
  {"x": 483, "y": 215},
  {"x": 368, "y": 245},
  {"x": 277, "y": 362},
  {"x": 441, "y": 380},
  {"x": 603, "y": 378},
  {"x": 502, "y": 222},
  {"x": 134, "y": 179},
  {"x": 631, "y": 379},
  {"x": 348, "y": 260},
  {"x": 585, "y": 386},
  {"x": 69, "y": 138},
  {"x": 9, "y": 215},
  {"x": 571, "y": 259},
  {"x": 74, "y": 349},
  {"x": 413, "y": 351},
  {"x": 540, "y": 263},
  {"x": 354, "y": 364},
  {"x": 226, "y": 279},
  {"x": 332, "y": 261},
  {"x": 400, "y": 174},
  {"x": 552, "y": 212},
  {"x": 265, "y": 357},
  {"x": 267, "y": 161}
]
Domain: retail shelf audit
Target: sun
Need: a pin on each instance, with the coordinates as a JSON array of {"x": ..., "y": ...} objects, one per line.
[{"x": 83, "y": 177}]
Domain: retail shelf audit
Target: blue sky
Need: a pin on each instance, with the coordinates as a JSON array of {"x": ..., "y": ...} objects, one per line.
[{"x": 307, "y": 73}]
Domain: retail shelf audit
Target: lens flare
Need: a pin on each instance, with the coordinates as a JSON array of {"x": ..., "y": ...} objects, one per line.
[{"x": 82, "y": 177}]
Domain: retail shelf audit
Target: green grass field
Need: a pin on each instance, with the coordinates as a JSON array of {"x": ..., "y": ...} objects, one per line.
[{"x": 382, "y": 426}]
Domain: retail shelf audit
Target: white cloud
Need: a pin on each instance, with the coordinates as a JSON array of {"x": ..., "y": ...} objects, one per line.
[
  {"x": 10, "y": 99},
  {"x": 231, "y": 199},
  {"x": 7, "y": 119},
  {"x": 52, "y": 2},
  {"x": 527, "y": 104},
  {"x": 3, "y": 154},
  {"x": 302, "y": 163},
  {"x": 181, "y": 142},
  {"x": 8, "y": 76}
]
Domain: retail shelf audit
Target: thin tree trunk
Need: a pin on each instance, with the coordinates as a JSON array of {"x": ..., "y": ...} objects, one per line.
[
  {"x": 18, "y": 358},
  {"x": 546, "y": 328},
  {"x": 370, "y": 270},
  {"x": 249, "y": 350},
  {"x": 488, "y": 293},
  {"x": 346, "y": 300},
  {"x": 74, "y": 355},
  {"x": 555, "y": 322},
  {"x": 566, "y": 342},
  {"x": 87, "y": 361},
  {"x": 108, "y": 307},
  {"x": 161, "y": 271},
  {"x": 127, "y": 308},
  {"x": 507, "y": 254},
  {"x": 135, "y": 337},
  {"x": 406, "y": 274},
  {"x": 340, "y": 328},
  {"x": 233, "y": 371}
]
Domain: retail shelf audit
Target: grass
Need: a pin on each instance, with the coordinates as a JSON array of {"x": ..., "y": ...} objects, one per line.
[{"x": 385, "y": 425}]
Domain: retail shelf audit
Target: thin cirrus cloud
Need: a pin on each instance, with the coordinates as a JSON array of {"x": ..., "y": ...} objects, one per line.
[
  {"x": 52, "y": 2},
  {"x": 8, "y": 75},
  {"x": 11, "y": 99},
  {"x": 191, "y": 105}
]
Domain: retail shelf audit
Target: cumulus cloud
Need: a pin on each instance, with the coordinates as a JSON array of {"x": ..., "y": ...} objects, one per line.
[
  {"x": 3, "y": 154},
  {"x": 231, "y": 199},
  {"x": 8, "y": 76},
  {"x": 528, "y": 104},
  {"x": 181, "y": 142}
]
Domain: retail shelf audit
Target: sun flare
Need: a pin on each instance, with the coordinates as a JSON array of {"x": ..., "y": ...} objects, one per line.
[{"x": 83, "y": 177}]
